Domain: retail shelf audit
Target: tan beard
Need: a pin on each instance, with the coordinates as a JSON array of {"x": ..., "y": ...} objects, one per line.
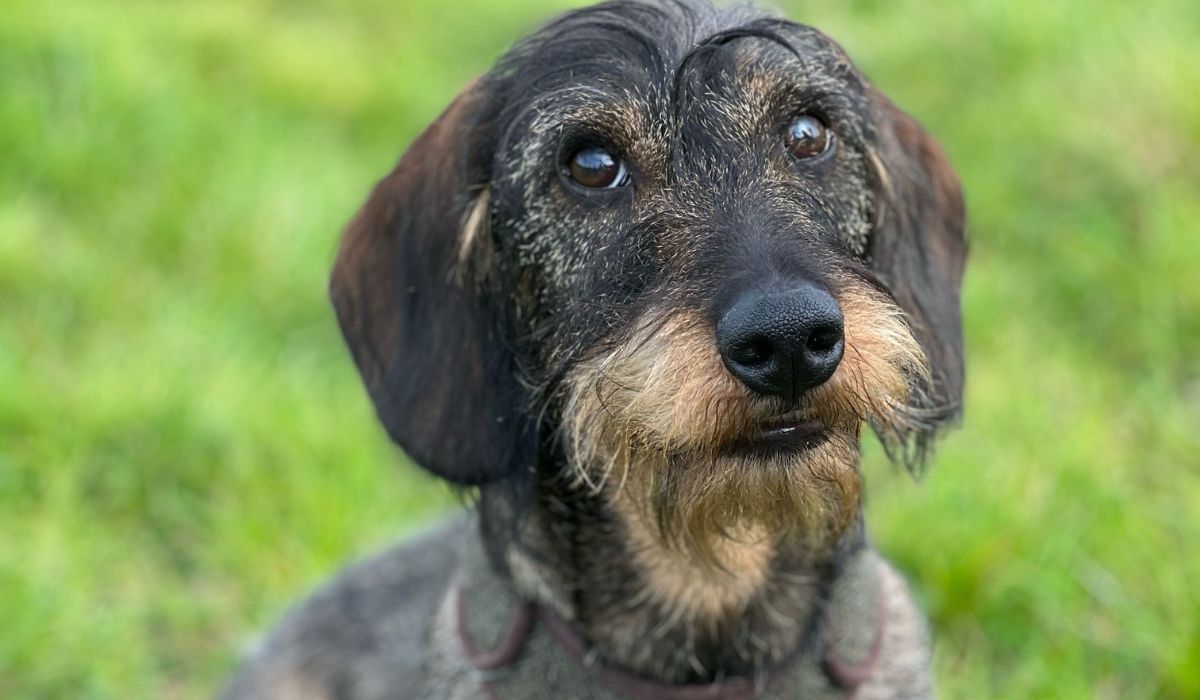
[{"x": 652, "y": 422}]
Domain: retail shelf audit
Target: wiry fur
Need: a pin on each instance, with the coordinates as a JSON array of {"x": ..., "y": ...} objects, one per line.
[{"x": 555, "y": 347}]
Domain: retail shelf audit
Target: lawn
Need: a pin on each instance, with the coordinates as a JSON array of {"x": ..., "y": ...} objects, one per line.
[{"x": 185, "y": 447}]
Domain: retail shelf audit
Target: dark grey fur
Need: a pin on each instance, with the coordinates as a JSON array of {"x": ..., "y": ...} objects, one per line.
[{"x": 464, "y": 348}]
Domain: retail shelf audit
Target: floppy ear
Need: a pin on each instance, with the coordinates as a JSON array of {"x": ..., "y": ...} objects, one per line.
[
  {"x": 425, "y": 329},
  {"x": 918, "y": 249}
]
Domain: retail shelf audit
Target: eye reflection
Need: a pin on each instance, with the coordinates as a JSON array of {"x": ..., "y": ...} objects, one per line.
[
  {"x": 595, "y": 168},
  {"x": 807, "y": 137}
]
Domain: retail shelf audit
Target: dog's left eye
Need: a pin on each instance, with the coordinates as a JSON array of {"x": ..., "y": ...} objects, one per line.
[
  {"x": 807, "y": 137},
  {"x": 595, "y": 168}
]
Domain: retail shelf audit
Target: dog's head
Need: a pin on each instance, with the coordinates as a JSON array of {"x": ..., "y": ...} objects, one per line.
[{"x": 684, "y": 249}]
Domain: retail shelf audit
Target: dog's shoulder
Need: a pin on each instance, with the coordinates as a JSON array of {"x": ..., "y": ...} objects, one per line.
[{"x": 363, "y": 634}]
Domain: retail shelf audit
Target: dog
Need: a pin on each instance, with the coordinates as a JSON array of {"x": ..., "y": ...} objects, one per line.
[{"x": 637, "y": 291}]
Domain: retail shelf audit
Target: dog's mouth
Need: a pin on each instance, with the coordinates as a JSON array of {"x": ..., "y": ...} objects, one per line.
[{"x": 792, "y": 432}]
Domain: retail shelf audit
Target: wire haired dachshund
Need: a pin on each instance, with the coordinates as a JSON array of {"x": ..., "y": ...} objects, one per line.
[{"x": 637, "y": 291}]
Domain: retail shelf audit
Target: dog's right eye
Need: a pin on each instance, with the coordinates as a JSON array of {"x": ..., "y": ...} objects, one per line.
[{"x": 597, "y": 169}]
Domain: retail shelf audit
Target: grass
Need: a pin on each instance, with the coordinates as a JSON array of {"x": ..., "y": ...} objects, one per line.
[{"x": 185, "y": 448}]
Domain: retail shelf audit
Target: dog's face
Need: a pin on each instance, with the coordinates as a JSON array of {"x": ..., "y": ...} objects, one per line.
[{"x": 681, "y": 250}]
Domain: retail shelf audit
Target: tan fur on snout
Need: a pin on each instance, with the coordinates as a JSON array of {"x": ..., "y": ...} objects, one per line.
[
  {"x": 650, "y": 421},
  {"x": 663, "y": 390},
  {"x": 882, "y": 366}
]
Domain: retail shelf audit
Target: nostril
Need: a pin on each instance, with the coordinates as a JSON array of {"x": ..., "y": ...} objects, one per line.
[
  {"x": 753, "y": 351},
  {"x": 823, "y": 340}
]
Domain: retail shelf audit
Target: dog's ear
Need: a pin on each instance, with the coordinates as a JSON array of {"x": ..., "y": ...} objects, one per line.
[
  {"x": 918, "y": 249},
  {"x": 426, "y": 331}
]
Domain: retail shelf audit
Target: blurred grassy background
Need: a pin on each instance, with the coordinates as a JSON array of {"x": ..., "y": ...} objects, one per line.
[{"x": 185, "y": 448}]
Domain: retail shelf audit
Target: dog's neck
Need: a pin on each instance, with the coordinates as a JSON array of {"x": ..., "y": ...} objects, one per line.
[{"x": 652, "y": 608}]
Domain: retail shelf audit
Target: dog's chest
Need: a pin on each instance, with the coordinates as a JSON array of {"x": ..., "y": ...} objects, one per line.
[{"x": 484, "y": 643}]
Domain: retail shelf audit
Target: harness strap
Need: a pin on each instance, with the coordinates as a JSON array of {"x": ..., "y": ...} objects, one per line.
[
  {"x": 848, "y": 675},
  {"x": 520, "y": 624},
  {"x": 640, "y": 688}
]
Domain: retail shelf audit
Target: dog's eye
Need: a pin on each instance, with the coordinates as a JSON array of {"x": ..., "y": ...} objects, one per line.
[
  {"x": 807, "y": 137},
  {"x": 596, "y": 168}
]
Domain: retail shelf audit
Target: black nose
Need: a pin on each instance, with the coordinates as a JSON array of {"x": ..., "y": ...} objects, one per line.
[{"x": 782, "y": 343}]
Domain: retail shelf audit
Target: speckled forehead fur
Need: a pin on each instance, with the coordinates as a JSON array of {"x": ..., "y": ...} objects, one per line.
[{"x": 696, "y": 100}]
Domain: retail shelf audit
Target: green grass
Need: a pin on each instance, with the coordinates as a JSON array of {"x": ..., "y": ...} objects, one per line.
[{"x": 185, "y": 448}]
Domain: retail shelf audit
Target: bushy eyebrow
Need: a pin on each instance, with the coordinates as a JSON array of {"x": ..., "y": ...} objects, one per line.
[{"x": 766, "y": 29}]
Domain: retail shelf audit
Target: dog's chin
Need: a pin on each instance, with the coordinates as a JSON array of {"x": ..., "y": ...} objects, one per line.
[{"x": 797, "y": 479}]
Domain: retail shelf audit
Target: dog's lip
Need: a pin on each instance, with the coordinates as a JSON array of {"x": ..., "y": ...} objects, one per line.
[
  {"x": 805, "y": 431},
  {"x": 795, "y": 423},
  {"x": 791, "y": 428},
  {"x": 793, "y": 431}
]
